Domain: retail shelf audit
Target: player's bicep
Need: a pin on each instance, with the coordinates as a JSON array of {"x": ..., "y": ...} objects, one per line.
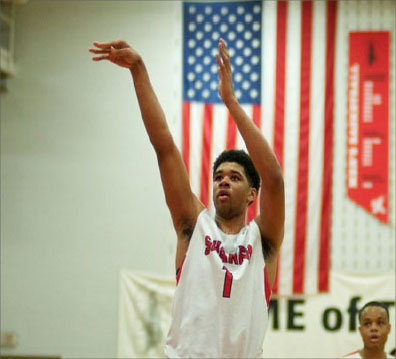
[{"x": 182, "y": 203}]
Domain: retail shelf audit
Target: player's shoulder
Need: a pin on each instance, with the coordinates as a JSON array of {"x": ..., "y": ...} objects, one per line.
[{"x": 352, "y": 355}]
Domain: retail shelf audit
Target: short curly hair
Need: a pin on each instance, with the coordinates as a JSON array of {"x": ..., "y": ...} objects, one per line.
[
  {"x": 374, "y": 303},
  {"x": 242, "y": 158}
]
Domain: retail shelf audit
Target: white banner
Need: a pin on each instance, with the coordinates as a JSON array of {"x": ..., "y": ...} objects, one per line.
[{"x": 316, "y": 326}]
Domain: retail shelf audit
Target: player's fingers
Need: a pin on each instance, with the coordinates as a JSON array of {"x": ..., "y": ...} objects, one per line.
[
  {"x": 99, "y": 58},
  {"x": 118, "y": 44},
  {"x": 102, "y": 45},
  {"x": 94, "y": 51},
  {"x": 219, "y": 62},
  {"x": 224, "y": 53}
]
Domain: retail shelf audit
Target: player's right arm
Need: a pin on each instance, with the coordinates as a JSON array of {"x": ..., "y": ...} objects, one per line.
[{"x": 183, "y": 204}]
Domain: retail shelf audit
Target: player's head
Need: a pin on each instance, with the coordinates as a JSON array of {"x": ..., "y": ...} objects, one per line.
[
  {"x": 374, "y": 325},
  {"x": 235, "y": 182}
]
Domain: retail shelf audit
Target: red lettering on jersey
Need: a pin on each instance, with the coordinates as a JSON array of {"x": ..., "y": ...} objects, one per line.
[
  {"x": 233, "y": 258},
  {"x": 223, "y": 255},
  {"x": 249, "y": 251},
  {"x": 208, "y": 244},
  {"x": 242, "y": 254},
  {"x": 216, "y": 246}
]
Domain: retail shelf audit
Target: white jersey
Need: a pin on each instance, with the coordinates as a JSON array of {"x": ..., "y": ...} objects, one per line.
[{"x": 220, "y": 307}]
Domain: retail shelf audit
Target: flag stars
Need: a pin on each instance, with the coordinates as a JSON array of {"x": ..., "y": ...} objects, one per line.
[
  {"x": 253, "y": 94},
  {"x": 192, "y": 27},
  {"x": 200, "y": 18},
  {"x": 199, "y": 35},
  {"x": 245, "y": 85},
  {"x": 198, "y": 85},
  {"x": 206, "y": 60},
  {"x": 191, "y": 60},
  {"x": 191, "y": 43},
  {"x": 191, "y": 76},
  {"x": 247, "y": 51},
  {"x": 248, "y": 17},
  {"x": 190, "y": 93},
  {"x": 246, "y": 68},
  {"x": 199, "y": 51},
  {"x": 238, "y": 77},
  {"x": 239, "y": 44},
  {"x": 215, "y": 36},
  {"x": 223, "y": 28},
  {"x": 216, "y": 18},
  {"x": 198, "y": 68},
  {"x": 255, "y": 60},
  {"x": 254, "y": 76},
  {"x": 239, "y": 60},
  {"x": 232, "y": 18},
  {"x": 231, "y": 36},
  {"x": 239, "y": 24},
  {"x": 247, "y": 35}
]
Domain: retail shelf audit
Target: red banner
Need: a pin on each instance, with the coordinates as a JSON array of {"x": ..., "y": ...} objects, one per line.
[{"x": 368, "y": 122}]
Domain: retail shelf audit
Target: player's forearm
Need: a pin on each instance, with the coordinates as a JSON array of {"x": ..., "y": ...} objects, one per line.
[
  {"x": 258, "y": 147},
  {"x": 152, "y": 114}
]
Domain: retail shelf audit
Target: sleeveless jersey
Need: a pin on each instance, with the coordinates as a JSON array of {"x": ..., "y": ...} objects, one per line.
[{"x": 220, "y": 307}]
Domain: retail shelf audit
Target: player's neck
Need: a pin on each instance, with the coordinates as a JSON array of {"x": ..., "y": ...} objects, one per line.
[
  {"x": 367, "y": 353},
  {"x": 230, "y": 225}
]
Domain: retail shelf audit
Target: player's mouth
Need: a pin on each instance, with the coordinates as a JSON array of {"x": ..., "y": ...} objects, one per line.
[
  {"x": 223, "y": 195},
  {"x": 374, "y": 339}
]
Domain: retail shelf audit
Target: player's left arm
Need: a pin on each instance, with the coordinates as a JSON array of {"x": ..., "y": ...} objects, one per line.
[{"x": 272, "y": 199}]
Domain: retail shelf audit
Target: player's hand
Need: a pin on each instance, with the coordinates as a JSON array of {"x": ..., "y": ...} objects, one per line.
[
  {"x": 226, "y": 89},
  {"x": 118, "y": 52}
]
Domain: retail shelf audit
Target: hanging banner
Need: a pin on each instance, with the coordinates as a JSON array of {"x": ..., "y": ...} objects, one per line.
[
  {"x": 312, "y": 326},
  {"x": 368, "y": 122}
]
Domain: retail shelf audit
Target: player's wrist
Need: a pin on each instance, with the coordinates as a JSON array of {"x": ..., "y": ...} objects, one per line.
[{"x": 230, "y": 101}]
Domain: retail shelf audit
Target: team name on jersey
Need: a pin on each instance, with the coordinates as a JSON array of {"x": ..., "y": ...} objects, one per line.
[{"x": 233, "y": 258}]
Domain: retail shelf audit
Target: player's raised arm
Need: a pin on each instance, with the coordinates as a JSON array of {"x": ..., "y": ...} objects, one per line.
[
  {"x": 182, "y": 203},
  {"x": 271, "y": 218}
]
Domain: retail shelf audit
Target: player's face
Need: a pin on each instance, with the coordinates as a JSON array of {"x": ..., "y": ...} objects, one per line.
[
  {"x": 374, "y": 327},
  {"x": 231, "y": 190}
]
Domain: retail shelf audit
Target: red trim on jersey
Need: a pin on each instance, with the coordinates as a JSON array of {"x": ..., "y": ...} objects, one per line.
[
  {"x": 178, "y": 271},
  {"x": 351, "y": 353},
  {"x": 267, "y": 287}
]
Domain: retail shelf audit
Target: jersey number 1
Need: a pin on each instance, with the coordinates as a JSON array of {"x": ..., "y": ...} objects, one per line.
[{"x": 227, "y": 283}]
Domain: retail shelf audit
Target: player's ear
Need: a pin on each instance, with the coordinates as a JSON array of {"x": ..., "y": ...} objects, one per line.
[{"x": 252, "y": 195}]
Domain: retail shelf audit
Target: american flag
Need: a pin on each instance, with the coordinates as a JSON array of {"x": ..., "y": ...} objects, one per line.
[{"x": 283, "y": 74}]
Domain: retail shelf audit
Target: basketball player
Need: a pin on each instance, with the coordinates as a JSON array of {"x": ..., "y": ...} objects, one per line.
[
  {"x": 224, "y": 268},
  {"x": 374, "y": 328}
]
